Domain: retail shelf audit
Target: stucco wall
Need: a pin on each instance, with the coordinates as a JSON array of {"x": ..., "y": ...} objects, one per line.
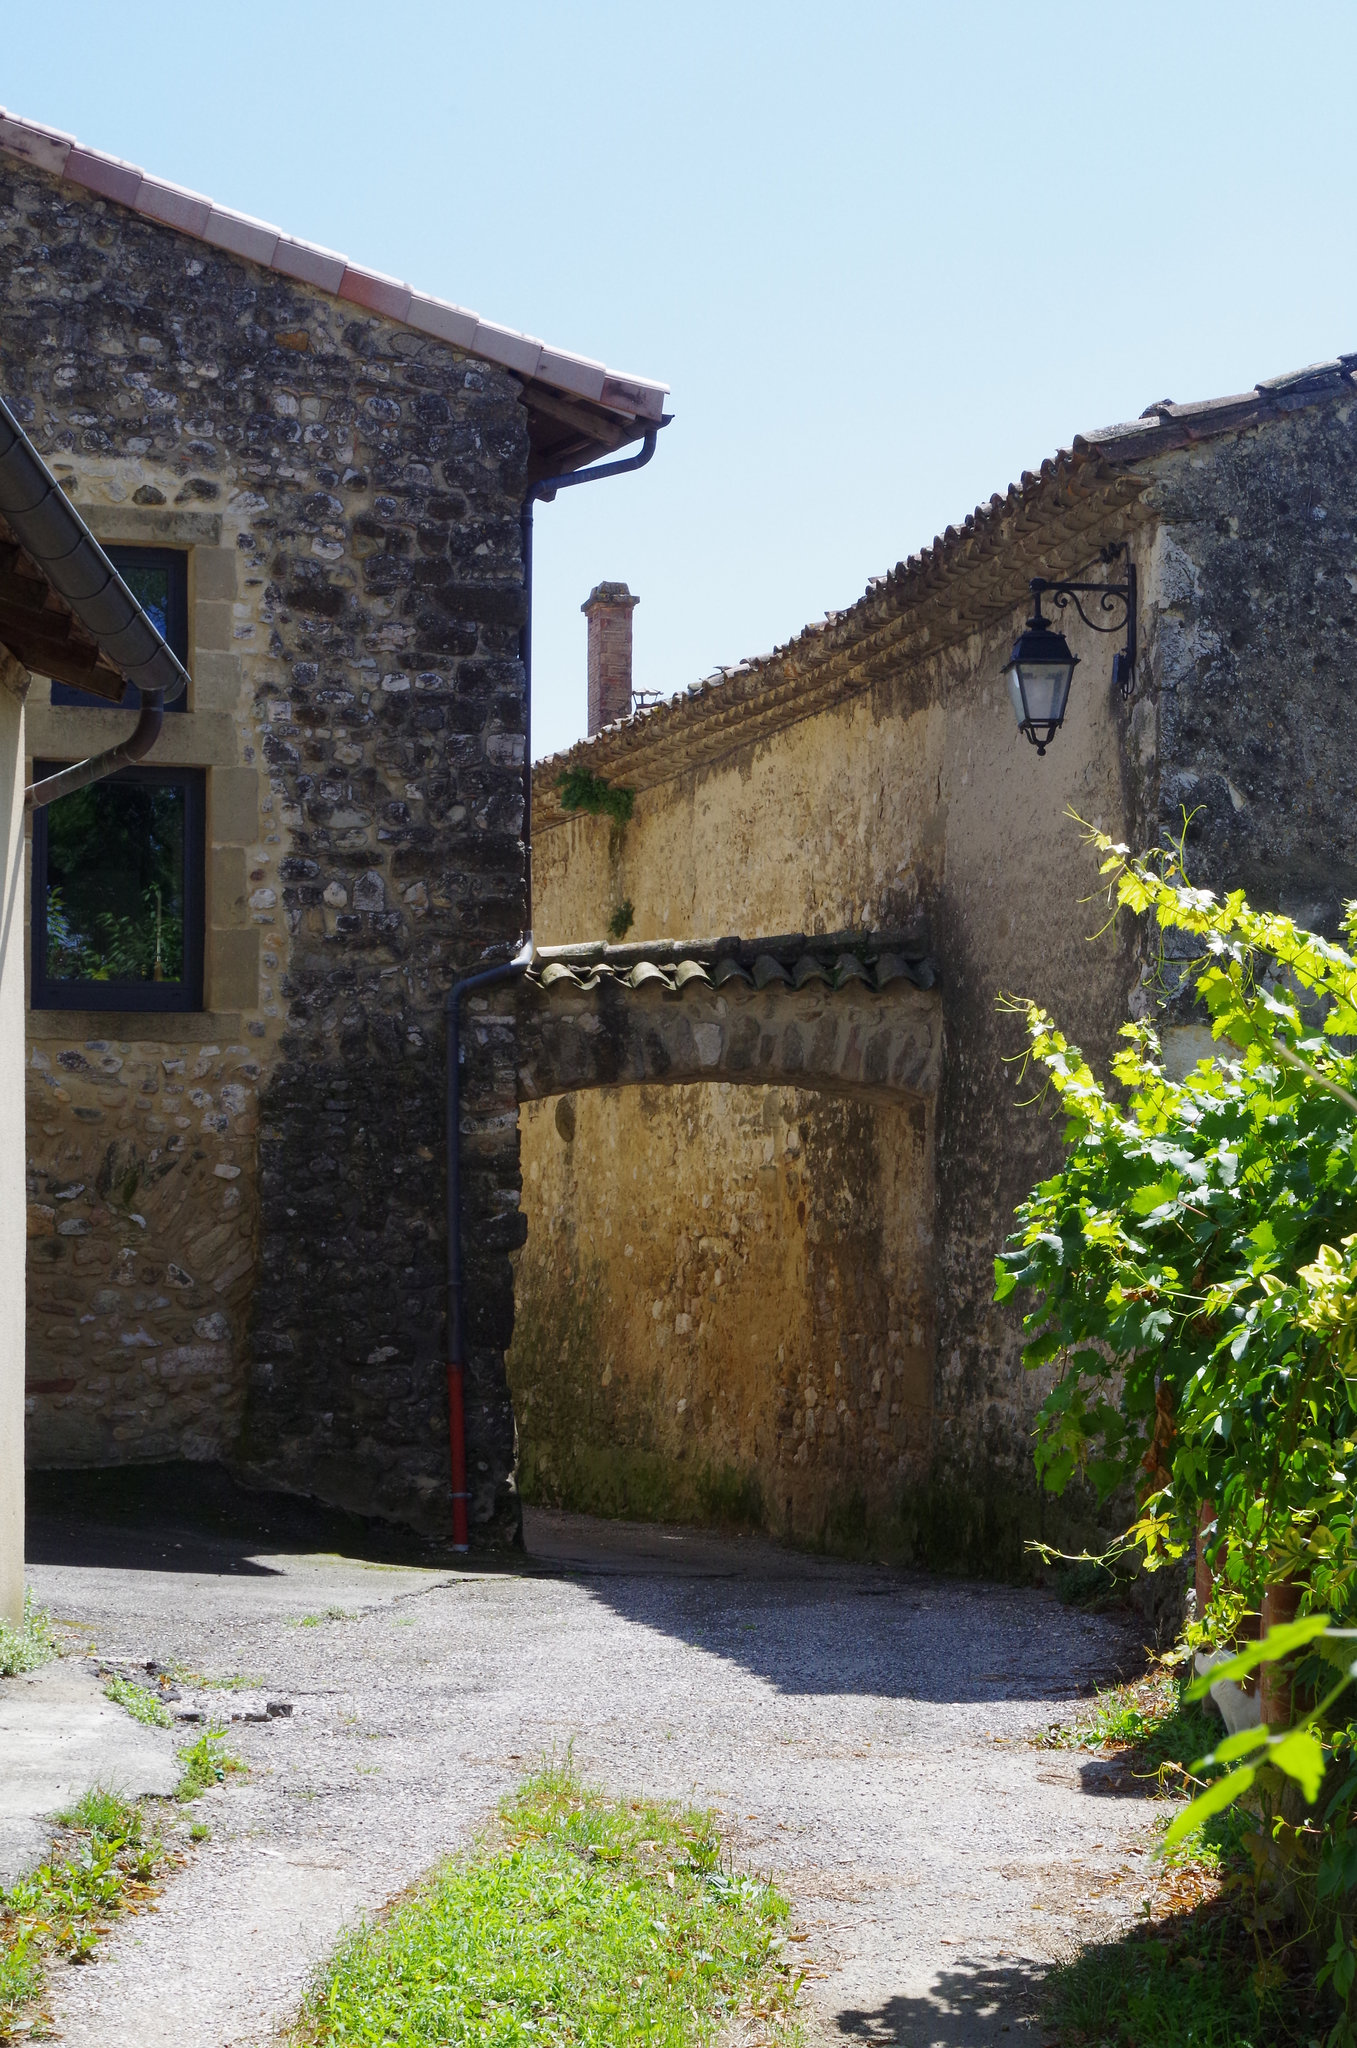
[
  {"x": 13, "y": 682},
  {"x": 864, "y": 1257},
  {"x": 917, "y": 792},
  {"x": 238, "y": 1215}
]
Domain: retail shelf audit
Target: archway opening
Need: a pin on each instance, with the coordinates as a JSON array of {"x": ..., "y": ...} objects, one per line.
[{"x": 725, "y": 1306}]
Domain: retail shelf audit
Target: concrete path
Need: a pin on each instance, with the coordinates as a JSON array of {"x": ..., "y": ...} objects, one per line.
[
  {"x": 864, "y": 1735},
  {"x": 59, "y": 1736}
]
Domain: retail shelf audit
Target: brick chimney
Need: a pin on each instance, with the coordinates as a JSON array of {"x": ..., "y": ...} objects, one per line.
[{"x": 608, "y": 608}]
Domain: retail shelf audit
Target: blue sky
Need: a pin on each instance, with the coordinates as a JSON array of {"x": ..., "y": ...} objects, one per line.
[{"x": 887, "y": 256}]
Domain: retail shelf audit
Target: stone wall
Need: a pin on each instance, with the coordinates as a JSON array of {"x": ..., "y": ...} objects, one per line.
[
  {"x": 851, "y": 1384},
  {"x": 238, "y": 1217},
  {"x": 901, "y": 785},
  {"x": 1257, "y": 661},
  {"x": 736, "y": 1321}
]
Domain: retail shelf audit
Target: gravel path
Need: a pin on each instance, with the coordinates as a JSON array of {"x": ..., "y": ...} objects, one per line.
[{"x": 862, "y": 1732}]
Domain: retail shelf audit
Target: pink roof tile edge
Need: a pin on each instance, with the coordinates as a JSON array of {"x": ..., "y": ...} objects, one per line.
[{"x": 191, "y": 213}]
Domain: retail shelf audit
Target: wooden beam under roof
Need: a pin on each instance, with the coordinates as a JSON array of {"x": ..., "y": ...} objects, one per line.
[{"x": 40, "y": 630}]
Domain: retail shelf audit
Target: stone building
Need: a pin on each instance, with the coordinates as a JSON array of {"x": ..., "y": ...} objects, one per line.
[
  {"x": 238, "y": 964},
  {"x": 757, "y": 1279}
]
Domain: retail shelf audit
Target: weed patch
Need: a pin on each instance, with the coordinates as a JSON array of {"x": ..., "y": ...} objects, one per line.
[
  {"x": 585, "y": 1921},
  {"x": 107, "y": 1865},
  {"x": 205, "y": 1763},
  {"x": 1205, "y": 1971},
  {"x": 1148, "y": 1724},
  {"x": 1195, "y": 1981},
  {"x": 31, "y": 1644},
  {"x": 319, "y": 1620},
  {"x": 141, "y": 1705}
]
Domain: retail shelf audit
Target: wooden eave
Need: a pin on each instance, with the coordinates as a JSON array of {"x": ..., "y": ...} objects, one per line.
[{"x": 41, "y": 631}]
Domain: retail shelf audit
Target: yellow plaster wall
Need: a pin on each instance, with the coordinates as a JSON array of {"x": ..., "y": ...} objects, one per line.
[{"x": 848, "y": 1354}]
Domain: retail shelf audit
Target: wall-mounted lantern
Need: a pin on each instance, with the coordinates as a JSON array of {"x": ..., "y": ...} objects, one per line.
[{"x": 1041, "y": 666}]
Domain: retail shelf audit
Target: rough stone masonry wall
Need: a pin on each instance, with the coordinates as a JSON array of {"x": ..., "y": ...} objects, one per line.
[
  {"x": 1257, "y": 567},
  {"x": 365, "y": 798}
]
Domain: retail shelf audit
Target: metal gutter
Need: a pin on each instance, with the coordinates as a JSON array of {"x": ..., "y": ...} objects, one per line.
[
  {"x": 486, "y": 977},
  {"x": 51, "y": 532}
]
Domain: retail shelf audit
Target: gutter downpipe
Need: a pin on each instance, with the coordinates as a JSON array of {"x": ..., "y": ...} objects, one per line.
[
  {"x": 80, "y": 774},
  {"x": 51, "y": 531},
  {"x": 486, "y": 977}
]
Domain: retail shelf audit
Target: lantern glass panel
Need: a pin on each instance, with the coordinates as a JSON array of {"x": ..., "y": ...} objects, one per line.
[{"x": 1046, "y": 687}]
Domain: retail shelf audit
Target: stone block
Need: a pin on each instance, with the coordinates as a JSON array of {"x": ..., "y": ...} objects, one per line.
[
  {"x": 233, "y": 806},
  {"x": 216, "y": 682},
  {"x": 214, "y": 573},
  {"x": 213, "y": 626},
  {"x": 227, "y": 887},
  {"x": 233, "y": 969}
]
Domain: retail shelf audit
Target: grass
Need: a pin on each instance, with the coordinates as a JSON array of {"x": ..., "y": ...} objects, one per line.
[
  {"x": 141, "y": 1705},
  {"x": 582, "y": 1922},
  {"x": 107, "y": 1866},
  {"x": 205, "y": 1763},
  {"x": 1191, "y": 1982},
  {"x": 1148, "y": 1723},
  {"x": 1196, "y": 1976},
  {"x": 235, "y": 1681},
  {"x": 31, "y": 1644},
  {"x": 319, "y": 1620}
]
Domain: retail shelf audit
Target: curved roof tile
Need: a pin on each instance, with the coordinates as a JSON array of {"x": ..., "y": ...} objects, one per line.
[{"x": 192, "y": 213}]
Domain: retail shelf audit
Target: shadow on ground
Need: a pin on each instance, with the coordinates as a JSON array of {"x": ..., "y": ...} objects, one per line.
[
  {"x": 804, "y": 1624},
  {"x": 192, "y": 1518},
  {"x": 963, "y": 2007},
  {"x": 813, "y": 1625}
]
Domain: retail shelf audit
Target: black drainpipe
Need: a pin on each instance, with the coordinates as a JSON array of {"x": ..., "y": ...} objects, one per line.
[
  {"x": 47, "y": 526},
  {"x": 522, "y": 959}
]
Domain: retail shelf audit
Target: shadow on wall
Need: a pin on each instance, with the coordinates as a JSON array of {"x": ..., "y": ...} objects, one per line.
[{"x": 732, "y": 1322}]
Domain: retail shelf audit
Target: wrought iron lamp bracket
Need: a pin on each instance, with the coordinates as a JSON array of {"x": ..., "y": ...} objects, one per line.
[{"x": 1109, "y": 596}]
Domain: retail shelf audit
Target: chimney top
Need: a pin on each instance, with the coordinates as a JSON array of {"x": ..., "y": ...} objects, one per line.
[
  {"x": 613, "y": 594},
  {"x": 608, "y": 608}
]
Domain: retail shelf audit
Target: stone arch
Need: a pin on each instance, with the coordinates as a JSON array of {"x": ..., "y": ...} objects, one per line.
[{"x": 603, "y": 1032}]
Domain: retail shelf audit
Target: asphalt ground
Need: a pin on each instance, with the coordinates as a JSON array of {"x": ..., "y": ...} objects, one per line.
[{"x": 864, "y": 1734}]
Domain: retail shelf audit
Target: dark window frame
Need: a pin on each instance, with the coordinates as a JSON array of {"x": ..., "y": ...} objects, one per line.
[
  {"x": 68, "y": 698},
  {"x": 148, "y": 996}
]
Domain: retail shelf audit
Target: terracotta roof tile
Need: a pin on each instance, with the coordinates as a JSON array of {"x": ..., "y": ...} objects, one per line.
[
  {"x": 875, "y": 959},
  {"x": 192, "y": 213},
  {"x": 1042, "y": 509}
]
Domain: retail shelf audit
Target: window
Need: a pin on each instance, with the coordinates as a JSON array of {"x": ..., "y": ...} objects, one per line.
[
  {"x": 118, "y": 893},
  {"x": 158, "y": 579}
]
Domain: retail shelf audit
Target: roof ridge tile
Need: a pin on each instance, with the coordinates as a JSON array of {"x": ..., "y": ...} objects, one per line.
[{"x": 222, "y": 227}]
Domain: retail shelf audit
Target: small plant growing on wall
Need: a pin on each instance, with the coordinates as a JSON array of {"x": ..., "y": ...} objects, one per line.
[
  {"x": 620, "y": 923},
  {"x": 581, "y": 791}
]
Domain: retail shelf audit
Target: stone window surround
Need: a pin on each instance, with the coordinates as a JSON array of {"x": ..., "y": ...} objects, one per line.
[{"x": 203, "y": 736}]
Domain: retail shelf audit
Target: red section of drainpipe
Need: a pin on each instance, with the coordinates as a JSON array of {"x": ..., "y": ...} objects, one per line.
[{"x": 457, "y": 1447}]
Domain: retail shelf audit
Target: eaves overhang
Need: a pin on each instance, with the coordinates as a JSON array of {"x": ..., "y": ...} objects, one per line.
[
  {"x": 970, "y": 579},
  {"x": 577, "y": 408}
]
